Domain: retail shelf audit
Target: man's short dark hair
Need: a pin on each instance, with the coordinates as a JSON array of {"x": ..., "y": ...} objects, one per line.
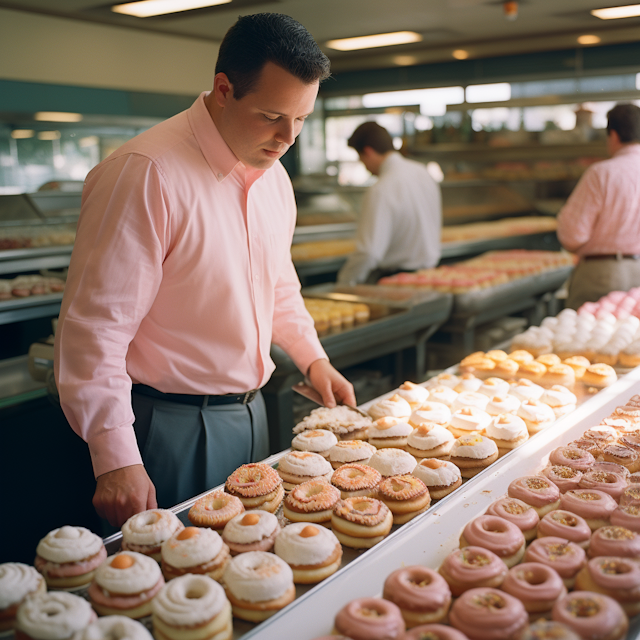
[
  {"x": 371, "y": 134},
  {"x": 624, "y": 119},
  {"x": 269, "y": 37}
]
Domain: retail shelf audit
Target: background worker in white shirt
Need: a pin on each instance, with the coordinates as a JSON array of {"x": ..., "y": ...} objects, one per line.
[{"x": 401, "y": 217}]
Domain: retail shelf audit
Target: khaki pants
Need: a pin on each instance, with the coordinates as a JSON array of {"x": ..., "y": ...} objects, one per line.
[{"x": 592, "y": 279}]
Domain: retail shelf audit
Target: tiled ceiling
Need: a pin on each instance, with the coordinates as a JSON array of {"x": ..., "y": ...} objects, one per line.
[{"x": 476, "y": 25}]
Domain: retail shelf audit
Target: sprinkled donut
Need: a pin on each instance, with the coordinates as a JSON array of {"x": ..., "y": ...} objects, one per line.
[
  {"x": 572, "y": 457},
  {"x": 565, "y": 478},
  {"x": 472, "y": 567},
  {"x": 521, "y": 514},
  {"x": 370, "y": 619},
  {"x": 500, "y": 536},
  {"x": 592, "y": 615},
  {"x": 565, "y": 557},
  {"x": 593, "y": 505},
  {"x": 563, "y": 524},
  {"x": 537, "y": 491},
  {"x": 536, "y": 585},
  {"x": 610, "y": 483},
  {"x": 615, "y": 541}
]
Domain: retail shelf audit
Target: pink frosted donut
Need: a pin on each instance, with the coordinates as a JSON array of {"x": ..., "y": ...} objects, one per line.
[
  {"x": 572, "y": 457},
  {"x": 370, "y": 619},
  {"x": 521, "y": 514},
  {"x": 472, "y": 567},
  {"x": 613, "y": 467},
  {"x": 591, "y": 615},
  {"x": 593, "y": 505},
  {"x": 536, "y": 585},
  {"x": 566, "y": 525},
  {"x": 627, "y": 516},
  {"x": 630, "y": 495},
  {"x": 488, "y": 614},
  {"x": 615, "y": 541},
  {"x": 433, "y": 632},
  {"x": 537, "y": 491},
  {"x": 497, "y": 535},
  {"x": 548, "y": 630},
  {"x": 567, "y": 558},
  {"x": 610, "y": 483},
  {"x": 565, "y": 478},
  {"x": 586, "y": 445}
]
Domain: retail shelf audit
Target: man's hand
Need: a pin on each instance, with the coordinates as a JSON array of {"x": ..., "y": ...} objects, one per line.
[
  {"x": 123, "y": 493},
  {"x": 330, "y": 384}
]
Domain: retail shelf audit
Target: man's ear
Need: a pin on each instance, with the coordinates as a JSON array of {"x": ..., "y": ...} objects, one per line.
[{"x": 222, "y": 89}]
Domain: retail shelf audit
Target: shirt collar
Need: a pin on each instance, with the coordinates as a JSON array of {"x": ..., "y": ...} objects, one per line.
[
  {"x": 632, "y": 147},
  {"x": 389, "y": 162}
]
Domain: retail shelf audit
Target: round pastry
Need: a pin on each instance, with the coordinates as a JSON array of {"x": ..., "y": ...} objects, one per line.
[
  {"x": 507, "y": 431},
  {"x": 54, "y": 615},
  {"x": 441, "y": 477},
  {"x": 496, "y": 534},
  {"x": 572, "y": 457},
  {"x": 422, "y": 595},
  {"x": 353, "y": 480},
  {"x": 125, "y": 584},
  {"x": 468, "y": 382},
  {"x": 258, "y": 584},
  {"x": 480, "y": 366},
  {"x": 472, "y": 567},
  {"x": 114, "y": 628},
  {"x": 536, "y": 414},
  {"x": 389, "y": 432},
  {"x": 565, "y": 478},
  {"x": 370, "y": 619},
  {"x": 599, "y": 376},
  {"x": 316, "y": 441},
  {"x": 312, "y": 552},
  {"x": 433, "y": 632},
  {"x": 532, "y": 371},
  {"x": 618, "y": 578},
  {"x": 255, "y": 531},
  {"x": 257, "y": 485},
  {"x": 494, "y": 387},
  {"x": 537, "y": 491},
  {"x": 615, "y": 541},
  {"x": 549, "y": 359},
  {"x": 630, "y": 495},
  {"x": 443, "y": 395},
  {"x": 614, "y": 467},
  {"x": 214, "y": 510},
  {"x": 443, "y": 380},
  {"x": 610, "y": 483},
  {"x": 566, "y": 525},
  {"x": 67, "y": 557},
  {"x": 194, "y": 550},
  {"x": 521, "y": 514},
  {"x": 311, "y": 501},
  {"x": 521, "y": 356},
  {"x": 17, "y": 581},
  {"x": 548, "y": 630},
  {"x": 471, "y": 400},
  {"x": 468, "y": 421},
  {"x": 192, "y": 606},
  {"x": 392, "y": 462},
  {"x": 536, "y": 585},
  {"x": 560, "y": 399},
  {"x": 567, "y": 558},
  {"x": 559, "y": 374},
  {"x": 526, "y": 390},
  {"x": 146, "y": 532},
  {"x": 586, "y": 445},
  {"x": 350, "y": 451},
  {"x": 603, "y": 434},
  {"x": 593, "y": 505},
  {"x": 414, "y": 394},
  {"x": 431, "y": 413},
  {"x": 360, "y": 523},
  {"x": 579, "y": 365},
  {"x": 506, "y": 369},
  {"x": 395, "y": 406},
  {"x": 429, "y": 442},
  {"x": 488, "y": 614},
  {"x": 297, "y": 467},
  {"x": 622, "y": 455},
  {"x": 497, "y": 355},
  {"x": 405, "y": 495},
  {"x": 592, "y": 615},
  {"x": 631, "y": 441},
  {"x": 506, "y": 404},
  {"x": 472, "y": 454}
]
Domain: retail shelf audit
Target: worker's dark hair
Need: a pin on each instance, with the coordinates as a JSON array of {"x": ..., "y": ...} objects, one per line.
[
  {"x": 371, "y": 134},
  {"x": 624, "y": 119},
  {"x": 269, "y": 37}
]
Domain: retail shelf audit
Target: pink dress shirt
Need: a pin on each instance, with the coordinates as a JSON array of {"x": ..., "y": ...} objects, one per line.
[
  {"x": 180, "y": 278},
  {"x": 602, "y": 215}
]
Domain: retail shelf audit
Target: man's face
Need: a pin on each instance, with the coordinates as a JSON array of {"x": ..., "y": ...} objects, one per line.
[{"x": 261, "y": 126}]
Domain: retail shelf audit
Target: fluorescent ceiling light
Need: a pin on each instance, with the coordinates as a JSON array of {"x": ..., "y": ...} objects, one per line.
[
  {"x": 378, "y": 40},
  {"x": 21, "y": 134},
  {"x": 405, "y": 61},
  {"x": 614, "y": 13},
  {"x": 496, "y": 92},
  {"x": 433, "y": 102},
  {"x": 48, "y": 135},
  {"x": 588, "y": 39},
  {"x": 149, "y": 8},
  {"x": 460, "y": 54},
  {"x": 57, "y": 116}
]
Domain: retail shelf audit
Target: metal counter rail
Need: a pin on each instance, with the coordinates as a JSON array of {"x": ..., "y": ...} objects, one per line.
[
  {"x": 19, "y": 309},
  {"x": 547, "y": 241},
  {"x": 22, "y": 260}
]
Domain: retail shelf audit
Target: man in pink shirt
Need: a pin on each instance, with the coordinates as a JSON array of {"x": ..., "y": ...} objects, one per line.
[
  {"x": 601, "y": 220},
  {"x": 181, "y": 277}
]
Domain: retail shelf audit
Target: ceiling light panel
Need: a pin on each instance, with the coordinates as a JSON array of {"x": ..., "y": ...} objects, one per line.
[
  {"x": 615, "y": 13},
  {"x": 377, "y": 40},
  {"x": 57, "y": 116},
  {"x": 150, "y": 8},
  {"x": 589, "y": 39}
]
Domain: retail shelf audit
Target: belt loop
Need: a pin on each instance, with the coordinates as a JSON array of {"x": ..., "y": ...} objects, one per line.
[{"x": 205, "y": 401}]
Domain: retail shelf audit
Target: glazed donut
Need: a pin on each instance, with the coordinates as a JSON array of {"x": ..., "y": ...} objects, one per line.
[
  {"x": 360, "y": 523},
  {"x": 353, "y": 480},
  {"x": 536, "y": 585},
  {"x": 565, "y": 478},
  {"x": 566, "y": 525},
  {"x": 441, "y": 477},
  {"x": 257, "y": 485},
  {"x": 500, "y": 536},
  {"x": 521, "y": 514},
  {"x": 422, "y": 595},
  {"x": 602, "y": 434},
  {"x": 370, "y": 619},
  {"x": 610, "y": 483},
  {"x": 392, "y": 462},
  {"x": 472, "y": 567},
  {"x": 627, "y": 516},
  {"x": 572, "y": 457},
  {"x": 254, "y": 531},
  {"x": 296, "y": 467},
  {"x": 536, "y": 491},
  {"x": 405, "y": 495},
  {"x": 615, "y": 541},
  {"x": 431, "y": 632},
  {"x": 630, "y": 495},
  {"x": 214, "y": 510},
  {"x": 488, "y": 614},
  {"x": 389, "y": 432},
  {"x": 311, "y": 501},
  {"x": 593, "y": 505},
  {"x": 113, "y": 628},
  {"x": 567, "y": 558},
  {"x": 145, "y": 532},
  {"x": 631, "y": 441},
  {"x": 592, "y": 615},
  {"x": 17, "y": 581}
]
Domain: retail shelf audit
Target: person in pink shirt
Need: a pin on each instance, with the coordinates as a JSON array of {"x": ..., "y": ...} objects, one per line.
[
  {"x": 181, "y": 278},
  {"x": 601, "y": 220}
]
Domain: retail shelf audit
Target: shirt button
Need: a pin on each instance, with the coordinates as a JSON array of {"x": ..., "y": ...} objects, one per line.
[{"x": 220, "y": 176}]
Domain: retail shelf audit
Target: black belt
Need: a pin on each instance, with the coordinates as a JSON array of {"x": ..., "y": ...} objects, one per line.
[
  {"x": 198, "y": 401},
  {"x": 613, "y": 256}
]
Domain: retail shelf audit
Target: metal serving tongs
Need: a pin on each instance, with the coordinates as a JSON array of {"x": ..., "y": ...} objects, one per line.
[{"x": 306, "y": 390}]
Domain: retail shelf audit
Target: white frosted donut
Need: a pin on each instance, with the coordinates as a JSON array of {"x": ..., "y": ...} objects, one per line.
[
  {"x": 296, "y": 549},
  {"x": 445, "y": 474},
  {"x": 389, "y": 427},
  {"x": 536, "y": 411},
  {"x": 493, "y": 387},
  {"x": 475, "y": 447},
  {"x": 304, "y": 463},
  {"x": 414, "y": 394},
  {"x": 470, "y": 419},
  {"x": 392, "y": 462},
  {"x": 395, "y": 406},
  {"x": 114, "y": 628},
  {"x": 558, "y": 397},
  {"x": 257, "y": 576},
  {"x": 69, "y": 544},
  {"x": 149, "y": 528},
  {"x": 239, "y": 533},
  {"x": 17, "y": 580},
  {"x": 190, "y": 552},
  {"x": 435, "y": 437},
  {"x": 506, "y": 404},
  {"x": 526, "y": 390},
  {"x": 316, "y": 440},
  {"x": 430, "y": 413},
  {"x": 443, "y": 380},
  {"x": 443, "y": 395},
  {"x": 506, "y": 427},
  {"x": 472, "y": 399},
  {"x": 142, "y": 575},
  {"x": 468, "y": 382},
  {"x": 351, "y": 451}
]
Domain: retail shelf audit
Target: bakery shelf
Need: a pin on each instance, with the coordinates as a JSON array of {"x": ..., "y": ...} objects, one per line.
[
  {"x": 318, "y": 232},
  {"x": 546, "y": 241},
  {"x": 23, "y": 260},
  {"x": 18, "y": 309}
]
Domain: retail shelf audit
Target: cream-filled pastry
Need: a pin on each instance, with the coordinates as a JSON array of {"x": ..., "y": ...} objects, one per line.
[
  {"x": 443, "y": 395},
  {"x": 430, "y": 413},
  {"x": 297, "y": 467},
  {"x": 426, "y": 442},
  {"x": 441, "y": 477},
  {"x": 470, "y": 399},
  {"x": 17, "y": 581},
  {"x": 468, "y": 420},
  {"x": 145, "y": 532},
  {"x": 560, "y": 399},
  {"x": 536, "y": 415},
  {"x": 254, "y": 531},
  {"x": 414, "y": 394},
  {"x": 507, "y": 431},
  {"x": 389, "y": 432},
  {"x": 493, "y": 387},
  {"x": 468, "y": 382},
  {"x": 472, "y": 454},
  {"x": 350, "y": 451},
  {"x": 395, "y": 406},
  {"x": 526, "y": 390},
  {"x": 505, "y": 404},
  {"x": 317, "y": 441},
  {"x": 392, "y": 462}
]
